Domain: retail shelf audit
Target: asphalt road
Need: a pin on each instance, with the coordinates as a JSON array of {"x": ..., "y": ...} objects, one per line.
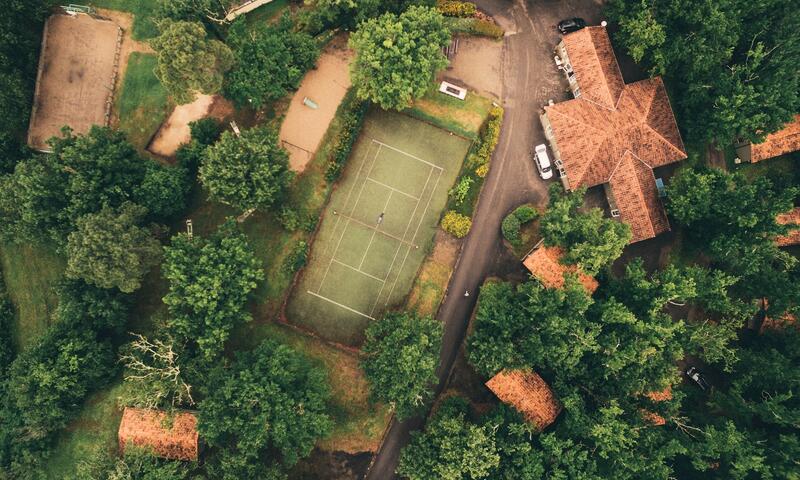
[{"x": 530, "y": 79}]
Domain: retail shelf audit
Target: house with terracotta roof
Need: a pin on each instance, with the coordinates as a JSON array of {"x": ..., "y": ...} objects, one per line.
[
  {"x": 168, "y": 436},
  {"x": 545, "y": 265},
  {"x": 527, "y": 392},
  {"x": 783, "y": 141},
  {"x": 792, "y": 219},
  {"x": 612, "y": 134}
]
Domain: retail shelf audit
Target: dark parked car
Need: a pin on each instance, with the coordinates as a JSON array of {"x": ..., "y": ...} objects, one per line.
[
  {"x": 571, "y": 25},
  {"x": 697, "y": 377}
]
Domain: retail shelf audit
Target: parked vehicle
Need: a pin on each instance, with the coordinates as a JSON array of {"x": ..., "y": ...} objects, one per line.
[
  {"x": 697, "y": 377},
  {"x": 542, "y": 162},
  {"x": 571, "y": 25}
]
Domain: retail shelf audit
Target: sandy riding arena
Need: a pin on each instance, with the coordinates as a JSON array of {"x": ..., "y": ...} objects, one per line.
[
  {"x": 175, "y": 131},
  {"x": 325, "y": 86},
  {"x": 77, "y": 72}
]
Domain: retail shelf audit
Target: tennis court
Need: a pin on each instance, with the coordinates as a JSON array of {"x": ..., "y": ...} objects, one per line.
[{"x": 378, "y": 226}]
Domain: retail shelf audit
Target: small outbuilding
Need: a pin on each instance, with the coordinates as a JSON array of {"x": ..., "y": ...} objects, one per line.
[
  {"x": 785, "y": 140},
  {"x": 169, "y": 436},
  {"x": 527, "y": 392},
  {"x": 544, "y": 263},
  {"x": 792, "y": 219}
]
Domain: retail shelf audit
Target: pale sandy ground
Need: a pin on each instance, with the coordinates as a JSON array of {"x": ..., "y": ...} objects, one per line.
[
  {"x": 303, "y": 128},
  {"x": 478, "y": 66},
  {"x": 76, "y": 69},
  {"x": 175, "y": 131}
]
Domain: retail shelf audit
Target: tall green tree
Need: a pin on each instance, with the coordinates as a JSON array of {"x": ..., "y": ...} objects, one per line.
[
  {"x": 590, "y": 240},
  {"x": 110, "y": 249},
  {"x": 264, "y": 412},
  {"x": 731, "y": 63},
  {"x": 397, "y": 57},
  {"x": 189, "y": 62},
  {"x": 269, "y": 61},
  {"x": 451, "y": 447},
  {"x": 401, "y": 354},
  {"x": 247, "y": 172},
  {"x": 210, "y": 280}
]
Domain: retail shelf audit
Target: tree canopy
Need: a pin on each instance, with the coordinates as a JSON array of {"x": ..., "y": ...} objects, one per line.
[
  {"x": 246, "y": 172},
  {"x": 268, "y": 61},
  {"x": 210, "y": 280},
  {"x": 397, "y": 57},
  {"x": 732, "y": 64},
  {"x": 590, "y": 240},
  {"x": 110, "y": 249},
  {"x": 189, "y": 62},
  {"x": 401, "y": 354},
  {"x": 264, "y": 413}
]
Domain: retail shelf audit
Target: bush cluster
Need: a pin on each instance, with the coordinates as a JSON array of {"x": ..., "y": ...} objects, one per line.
[
  {"x": 352, "y": 120},
  {"x": 456, "y": 224},
  {"x": 460, "y": 191},
  {"x": 293, "y": 220},
  {"x": 513, "y": 223},
  {"x": 454, "y": 8},
  {"x": 6, "y": 321},
  {"x": 482, "y": 170},
  {"x": 297, "y": 257},
  {"x": 475, "y": 26}
]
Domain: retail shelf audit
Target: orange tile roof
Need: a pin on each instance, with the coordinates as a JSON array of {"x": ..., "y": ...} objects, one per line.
[
  {"x": 783, "y": 141},
  {"x": 544, "y": 263},
  {"x": 616, "y": 133},
  {"x": 174, "y": 437},
  {"x": 791, "y": 218},
  {"x": 528, "y": 393}
]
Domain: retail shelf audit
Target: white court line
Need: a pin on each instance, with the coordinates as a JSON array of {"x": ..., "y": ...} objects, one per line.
[
  {"x": 359, "y": 271},
  {"x": 363, "y": 257},
  {"x": 394, "y": 259},
  {"x": 393, "y": 189},
  {"x": 339, "y": 304},
  {"x": 358, "y": 199},
  {"x": 407, "y": 154},
  {"x": 352, "y": 187},
  {"x": 400, "y": 270}
]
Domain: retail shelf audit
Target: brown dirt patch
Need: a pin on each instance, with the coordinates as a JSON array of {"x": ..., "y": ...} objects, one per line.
[
  {"x": 304, "y": 127},
  {"x": 478, "y": 65},
  {"x": 175, "y": 131},
  {"x": 129, "y": 45},
  {"x": 434, "y": 275},
  {"x": 76, "y": 68}
]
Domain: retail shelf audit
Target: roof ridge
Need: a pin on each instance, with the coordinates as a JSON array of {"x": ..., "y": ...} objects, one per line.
[
  {"x": 600, "y": 64},
  {"x": 639, "y": 190}
]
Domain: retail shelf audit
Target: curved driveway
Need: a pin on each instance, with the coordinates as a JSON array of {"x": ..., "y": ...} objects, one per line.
[{"x": 530, "y": 79}]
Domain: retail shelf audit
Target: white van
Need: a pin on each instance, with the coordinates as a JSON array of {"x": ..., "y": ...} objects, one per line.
[{"x": 542, "y": 162}]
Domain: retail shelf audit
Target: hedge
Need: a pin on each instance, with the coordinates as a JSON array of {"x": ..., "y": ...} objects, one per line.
[
  {"x": 474, "y": 26},
  {"x": 454, "y": 8},
  {"x": 513, "y": 223},
  {"x": 352, "y": 120},
  {"x": 456, "y": 224}
]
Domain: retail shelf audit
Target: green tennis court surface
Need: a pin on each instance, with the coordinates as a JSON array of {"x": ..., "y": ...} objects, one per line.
[{"x": 378, "y": 226}]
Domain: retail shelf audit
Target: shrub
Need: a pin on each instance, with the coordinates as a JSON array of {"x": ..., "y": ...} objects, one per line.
[
  {"x": 490, "y": 134},
  {"x": 293, "y": 220},
  {"x": 296, "y": 258},
  {"x": 482, "y": 170},
  {"x": 456, "y": 224},
  {"x": 525, "y": 213},
  {"x": 206, "y": 130},
  {"x": 474, "y": 26},
  {"x": 352, "y": 120},
  {"x": 510, "y": 227},
  {"x": 454, "y": 8},
  {"x": 6, "y": 323},
  {"x": 460, "y": 191}
]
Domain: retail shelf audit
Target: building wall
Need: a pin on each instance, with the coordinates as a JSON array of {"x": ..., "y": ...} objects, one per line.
[{"x": 551, "y": 139}]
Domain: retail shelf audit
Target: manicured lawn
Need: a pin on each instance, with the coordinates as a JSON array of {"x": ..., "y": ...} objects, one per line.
[
  {"x": 143, "y": 103},
  {"x": 463, "y": 117},
  {"x": 30, "y": 273},
  {"x": 96, "y": 427},
  {"x": 357, "y": 268},
  {"x": 143, "y": 14}
]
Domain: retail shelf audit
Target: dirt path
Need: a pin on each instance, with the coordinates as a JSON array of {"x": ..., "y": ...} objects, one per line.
[
  {"x": 303, "y": 128},
  {"x": 129, "y": 45},
  {"x": 175, "y": 131},
  {"x": 478, "y": 66}
]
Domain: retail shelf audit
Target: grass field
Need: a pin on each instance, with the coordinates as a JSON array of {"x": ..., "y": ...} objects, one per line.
[
  {"x": 30, "y": 273},
  {"x": 267, "y": 12},
  {"x": 358, "y": 267},
  {"x": 143, "y": 15},
  {"x": 463, "y": 117},
  {"x": 142, "y": 104}
]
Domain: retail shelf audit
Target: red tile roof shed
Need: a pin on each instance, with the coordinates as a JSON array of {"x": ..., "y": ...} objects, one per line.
[{"x": 528, "y": 393}]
